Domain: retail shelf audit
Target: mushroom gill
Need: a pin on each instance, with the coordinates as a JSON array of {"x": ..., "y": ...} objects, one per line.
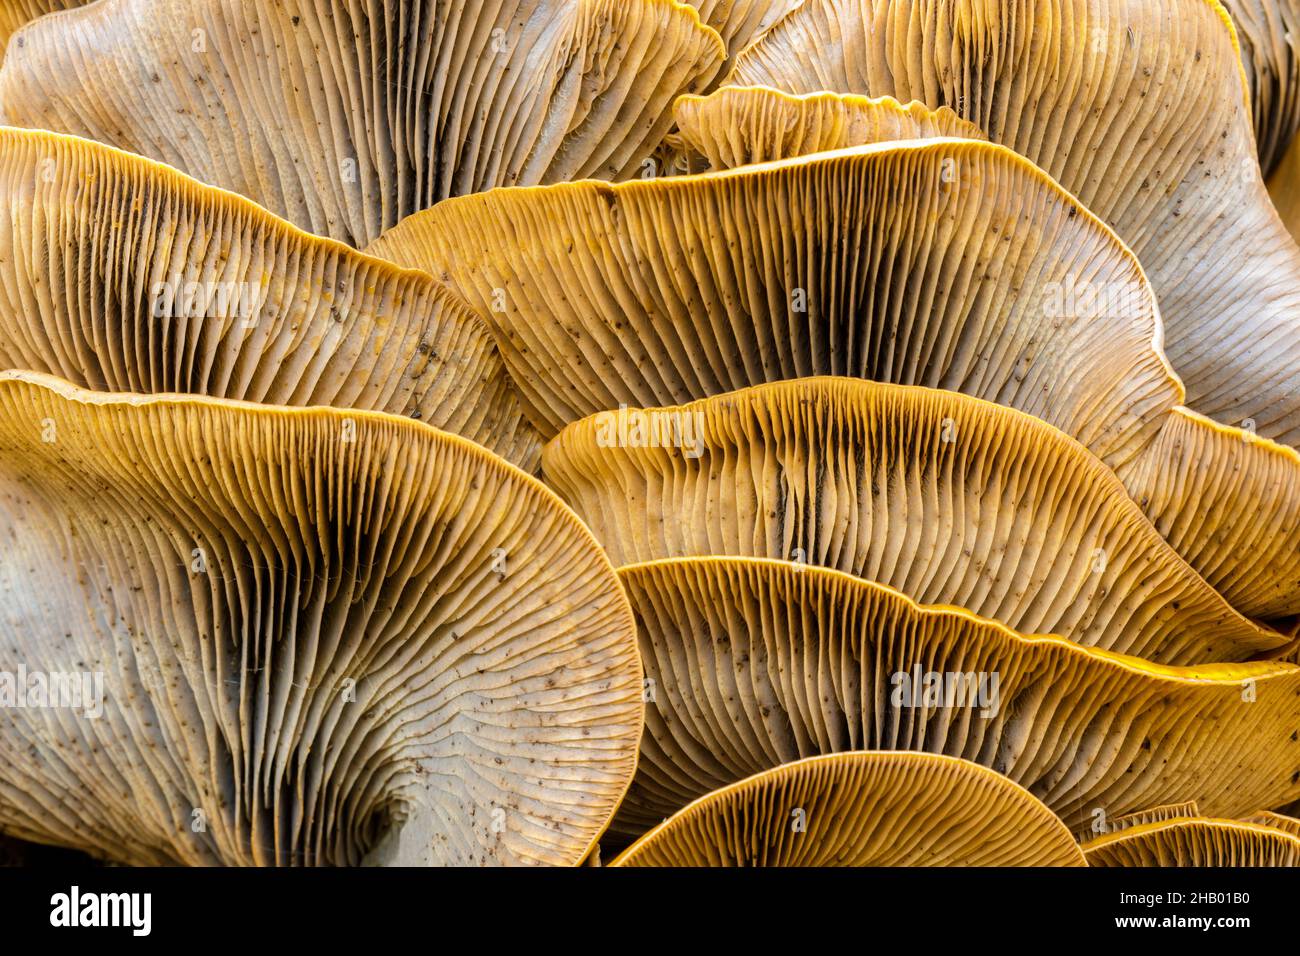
[
  {"x": 121, "y": 274},
  {"x": 1268, "y": 34},
  {"x": 949, "y": 499},
  {"x": 1140, "y": 109},
  {"x": 1273, "y": 819},
  {"x": 16, "y": 13},
  {"x": 739, "y": 22},
  {"x": 862, "y": 809},
  {"x": 346, "y": 117},
  {"x": 739, "y": 126},
  {"x": 945, "y": 263},
  {"x": 1228, "y": 501},
  {"x": 751, "y": 663},
  {"x": 1192, "y": 840},
  {"x": 303, "y": 636}
]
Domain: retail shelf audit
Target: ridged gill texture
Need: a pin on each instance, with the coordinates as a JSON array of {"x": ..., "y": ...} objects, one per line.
[
  {"x": 1228, "y": 501},
  {"x": 947, "y": 498},
  {"x": 862, "y": 809},
  {"x": 15, "y": 13},
  {"x": 346, "y": 117},
  {"x": 318, "y": 634},
  {"x": 1195, "y": 841},
  {"x": 751, "y": 663},
  {"x": 739, "y": 126},
  {"x": 1269, "y": 35},
  {"x": 120, "y": 274},
  {"x": 1140, "y": 109},
  {"x": 740, "y": 21},
  {"x": 945, "y": 263}
]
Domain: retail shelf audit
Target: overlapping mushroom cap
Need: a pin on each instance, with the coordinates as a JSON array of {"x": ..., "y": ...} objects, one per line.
[
  {"x": 973, "y": 272},
  {"x": 740, "y": 21},
  {"x": 1268, "y": 33},
  {"x": 751, "y": 663},
  {"x": 862, "y": 809},
  {"x": 346, "y": 117},
  {"x": 1180, "y": 836},
  {"x": 738, "y": 126},
  {"x": 292, "y": 631},
  {"x": 947, "y": 498},
  {"x": 945, "y": 263},
  {"x": 1228, "y": 501},
  {"x": 1137, "y": 107},
  {"x": 336, "y": 636},
  {"x": 1272, "y": 818},
  {"x": 119, "y": 273},
  {"x": 1270, "y": 51}
]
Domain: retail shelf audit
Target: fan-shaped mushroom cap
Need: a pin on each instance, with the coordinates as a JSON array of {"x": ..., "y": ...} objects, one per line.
[
  {"x": 1229, "y": 503},
  {"x": 737, "y": 126},
  {"x": 751, "y": 663},
  {"x": 1137, "y": 107},
  {"x": 1156, "y": 814},
  {"x": 739, "y": 22},
  {"x": 1195, "y": 841},
  {"x": 862, "y": 809},
  {"x": 1278, "y": 820},
  {"x": 309, "y": 625},
  {"x": 950, "y": 499},
  {"x": 1268, "y": 32},
  {"x": 121, "y": 274},
  {"x": 15, "y": 13},
  {"x": 945, "y": 263},
  {"x": 975, "y": 273},
  {"x": 344, "y": 118}
]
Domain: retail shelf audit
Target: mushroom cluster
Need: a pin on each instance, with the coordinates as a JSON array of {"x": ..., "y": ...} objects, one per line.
[{"x": 710, "y": 433}]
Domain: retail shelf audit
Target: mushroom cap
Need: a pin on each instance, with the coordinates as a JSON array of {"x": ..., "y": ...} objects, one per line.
[
  {"x": 1154, "y": 814},
  {"x": 964, "y": 266},
  {"x": 344, "y": 118},
  {"x": 1195, "y": 841},
  {"x": 751, "y": 663},
  {"x": 862, "y": 809},
  {"x": 949, "y": 499},
  {"x": 312, "y": 627},
  {"x": 1228, "y": 501},
  {"x": 122, "y": 274},
  {"x": 739, "y": 126},
  {"x": 1140, "y": 109},
  {"x": 739, "y": 22},
  {"x": 977, "y": 273},
  {"x": 1268, "y": 34},
  {"x": 1271, "y": 818}
]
